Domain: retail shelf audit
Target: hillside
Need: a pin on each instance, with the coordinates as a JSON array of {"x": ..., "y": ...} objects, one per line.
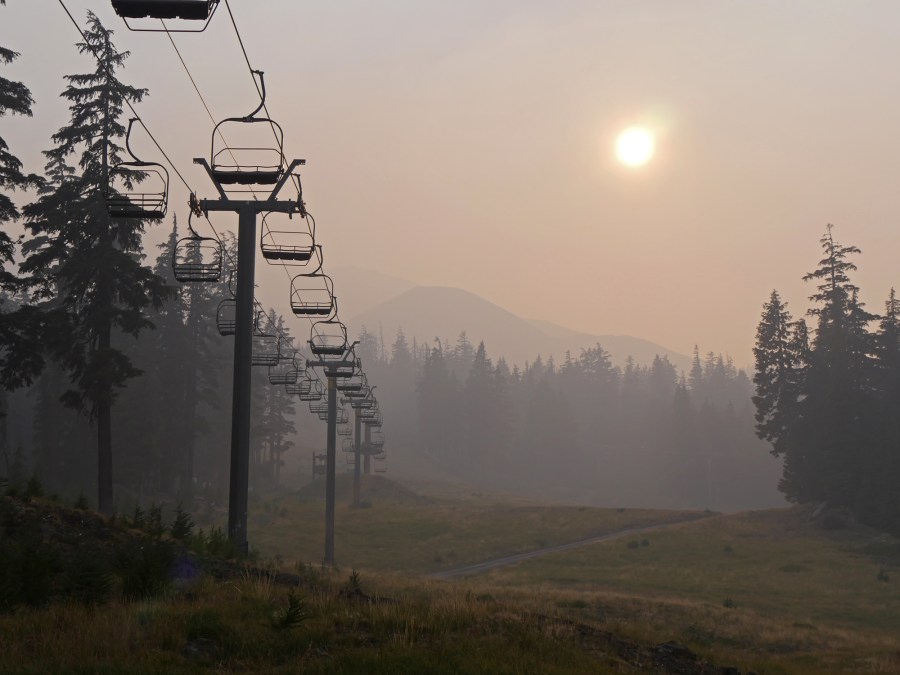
[{"x": 427, "y": 312}]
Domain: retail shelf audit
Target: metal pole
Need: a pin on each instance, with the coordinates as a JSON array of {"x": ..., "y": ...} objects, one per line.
[
  {"x": 368, "y": 449},
  {"x": 329, "y": 469},
  {"x": 357, "y": 423},
  {"x": 240, "y": 402}
]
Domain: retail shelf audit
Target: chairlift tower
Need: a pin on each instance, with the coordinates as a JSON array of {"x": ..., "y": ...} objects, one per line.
[
  {"x": 333, "y": 369},
  {"x": 247, "y": 210}
]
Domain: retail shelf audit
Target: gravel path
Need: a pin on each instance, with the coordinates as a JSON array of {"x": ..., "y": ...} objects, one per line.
[{"x": 478, "y": 568}]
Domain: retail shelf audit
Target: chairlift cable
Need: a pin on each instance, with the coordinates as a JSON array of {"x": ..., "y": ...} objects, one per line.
[
  {"x": 159, "y": 147},
  {"x": 257, "y": 303}
]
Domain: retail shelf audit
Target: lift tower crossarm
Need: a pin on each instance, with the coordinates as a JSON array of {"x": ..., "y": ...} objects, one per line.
[{"x": 275, "y": 190}]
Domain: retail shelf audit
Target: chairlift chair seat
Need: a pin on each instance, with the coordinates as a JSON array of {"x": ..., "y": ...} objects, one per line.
[{"x": 195, "y": 10}]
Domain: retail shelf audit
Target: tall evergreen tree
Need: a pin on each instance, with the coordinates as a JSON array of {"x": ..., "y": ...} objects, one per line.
[
  {"x": 777, "y": 375},
  {"x": 837, "y": 382},
  {"x": 84, "y": 268}
]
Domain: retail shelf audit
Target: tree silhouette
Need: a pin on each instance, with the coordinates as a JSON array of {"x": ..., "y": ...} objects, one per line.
[{"x": 84, "y": 270}]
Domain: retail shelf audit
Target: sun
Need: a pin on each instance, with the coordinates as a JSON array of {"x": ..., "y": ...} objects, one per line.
[{"x": 634, "y": 146}]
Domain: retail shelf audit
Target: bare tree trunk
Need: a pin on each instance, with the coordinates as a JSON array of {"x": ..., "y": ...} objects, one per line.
[{"x": 104, "y": 439}]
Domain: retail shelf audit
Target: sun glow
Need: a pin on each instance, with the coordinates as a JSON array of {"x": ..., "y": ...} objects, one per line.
[{"x": 634, "y": 146}]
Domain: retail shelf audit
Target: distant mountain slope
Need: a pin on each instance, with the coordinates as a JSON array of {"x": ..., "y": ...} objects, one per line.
[
  {"x": 427, "y": 312},
  {"x": 359, "y": 289}
]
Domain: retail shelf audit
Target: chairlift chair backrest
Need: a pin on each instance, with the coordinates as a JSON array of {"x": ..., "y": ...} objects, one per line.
[{"x": 137, "y": 189}]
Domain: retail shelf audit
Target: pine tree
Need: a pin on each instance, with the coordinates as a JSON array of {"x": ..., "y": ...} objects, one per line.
[
  {"x": 479, "y": 397},
  {"x": 86, "y": 274},
  {"x": 837, "y": 381},
  {"x": 776, "y": 376}
]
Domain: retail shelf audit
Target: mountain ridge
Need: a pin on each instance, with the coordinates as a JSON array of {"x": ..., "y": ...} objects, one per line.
[{"x": 424, "y": 313}]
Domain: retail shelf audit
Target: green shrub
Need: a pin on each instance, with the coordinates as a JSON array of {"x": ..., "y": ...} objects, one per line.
[
  {"x": 88, "y": 578},
  {"x": 33, "y": 488},
  {"x": 138, "y": 519},
  {"x": 182, "y": 526},
  {"x": 144, "y": 566},
  {"x": 291, "y": 616},
  {"x": 155, "y": 525}
]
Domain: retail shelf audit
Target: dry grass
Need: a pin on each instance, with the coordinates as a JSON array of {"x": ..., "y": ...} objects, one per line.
[{"x": 423, "y": 535}]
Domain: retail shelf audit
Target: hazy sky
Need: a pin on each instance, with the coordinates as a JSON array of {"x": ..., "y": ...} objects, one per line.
[{"x": 470, "y": 143}]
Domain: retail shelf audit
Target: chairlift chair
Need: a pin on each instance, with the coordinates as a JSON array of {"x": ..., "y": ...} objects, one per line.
[
  {"x": 345, "y": 430},
  {"x": 247, "y": 164},
  {"x": 346, "y": 370},
  {"x": 347, "y": 445},
  {"x": 266, "y": 348},
  {"x": 375, "y": 421},
  {"x": 286, "y": 372},
  {"x": 377, "y": 438},
  {"x": 355, "y": 383},
  {"x": 319, "y": 406},
  {"x": 312, "y": 294},
  {"x": 362, "y": 403},
  {"x": 328, "y": 339},
  {"x": 342, "y": 416},
  {"x": 226, "y": 317},
  {"x": 356, "y": 395},
  {"x": 137, "y": 189},
  {"x": 189, "y": 11},
  {"x": 197, "y": 258},
  {"x": 284, "y": 245},
  {"x": 310, "y": 390}
]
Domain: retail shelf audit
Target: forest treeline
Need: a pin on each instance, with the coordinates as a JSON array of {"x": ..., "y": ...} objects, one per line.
[
  {"x": 828, "y": 399},
  {"x": 583, "y": 428}
]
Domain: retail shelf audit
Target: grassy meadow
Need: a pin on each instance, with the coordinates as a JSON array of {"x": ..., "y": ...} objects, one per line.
[{"x": 768, "y": 592}]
